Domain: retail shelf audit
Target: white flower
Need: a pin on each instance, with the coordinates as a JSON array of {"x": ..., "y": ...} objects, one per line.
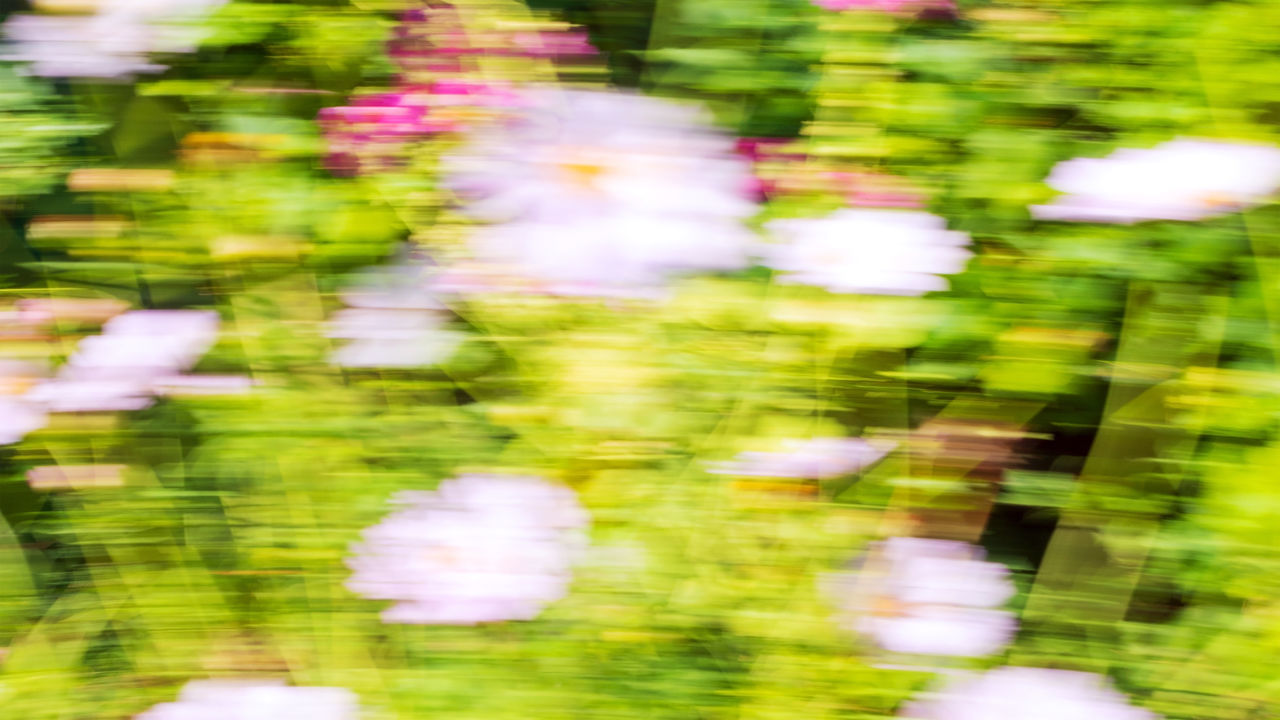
[
  {"x": 225, "y": 700},
  {"x": 17, "y": 418},
  {"x": 1026, "y": 693},
  {"x": 479, "y": 549},
  {"x": 1181, "y": 179},
  {"x": 813, "y": 459},
  {"x": 393, "y": 321},
  {"x": 888, "y": 252},
  {"x": 113, "y": 41},
  {"x": 604, "y": 193},
  {"x": 927, "y": 597},
  {"x": 146, "y": 342},
  {"x": 117, "y": 370}
]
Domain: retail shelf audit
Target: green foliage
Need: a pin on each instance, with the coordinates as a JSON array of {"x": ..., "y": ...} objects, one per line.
[{"x": 1124, "y": 377}]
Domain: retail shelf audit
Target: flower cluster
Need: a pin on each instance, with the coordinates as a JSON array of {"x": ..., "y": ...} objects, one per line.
[
  {"x": 928, "y": 597},
  {"x": 112, "y": 40},
  {"x": 479, "y": 549},
  {"x": 370, "y": 134},
  {"x": 436, "y": 91}
]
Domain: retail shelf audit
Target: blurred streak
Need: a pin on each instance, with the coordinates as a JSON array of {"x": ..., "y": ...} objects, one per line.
[
  {"x": 77, "y": 226},
  {"x": 46, "y": 311},
  {"x": 120, "y": 180},
  {"x": 250, "y": 247},
  {"x": 198, "y": 385},
  {"x": 76, "y": 477},
  {"x": 816, "y": 459},
  {"x": 223, "y": 149}
]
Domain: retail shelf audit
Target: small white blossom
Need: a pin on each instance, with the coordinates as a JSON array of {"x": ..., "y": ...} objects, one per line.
[
  {"x": 872, "y": 251},
  {"x": 1026, "y": 693},
  {"x": 813, "y": 459},
  {"x": 927, "y": 597},
  {"x": 1181, "y": 179},
  {"x": 479, "y": 549},
  {"x": 393, "y": 321},
  {"x": 227, "y": 700},
  {"x": 603, "y": 193}
]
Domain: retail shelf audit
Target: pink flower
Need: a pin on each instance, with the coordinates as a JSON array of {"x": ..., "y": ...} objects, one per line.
[
  {"x": 1027, "y": 693},
  {"x": 929, "y": 597},
  {"x": 1181, "y": 179},
  {"x": 481, "y": 548}
]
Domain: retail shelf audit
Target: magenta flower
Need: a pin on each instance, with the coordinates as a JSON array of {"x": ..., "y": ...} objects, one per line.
[
  {"x": 255, "y": 700},
  {"x": 480, "y": 549},
  {"x": 886, "y": 6},
  {"x": 1026, "y": 693},
  {"x": 928, "y": 597},
  {"x": 1181, "y": 179},
  {"x": 372, "y": 133}
]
